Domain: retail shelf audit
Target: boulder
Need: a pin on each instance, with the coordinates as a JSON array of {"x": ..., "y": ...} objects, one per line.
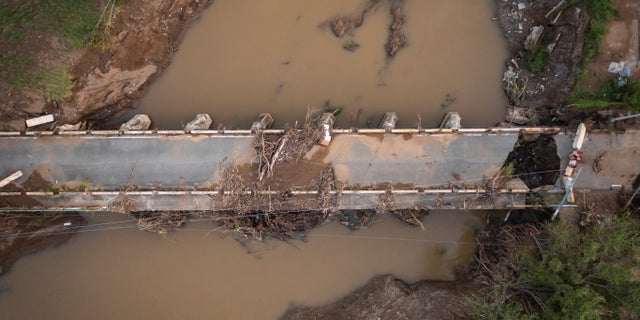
[
  {"x": 138, "y": 122},
  {"x": 202, "y": 122}
]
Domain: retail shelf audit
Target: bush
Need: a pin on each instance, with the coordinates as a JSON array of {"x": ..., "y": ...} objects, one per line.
[
  {"x": 579, "y": 274},
  {"x": 537, "y": 59}
]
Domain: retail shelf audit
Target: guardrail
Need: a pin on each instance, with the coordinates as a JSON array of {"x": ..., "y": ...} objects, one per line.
[
  {"x": 207, "y": 200},
  {"x": 110, "y": 133},
  {"x": 261, "y": 192}
]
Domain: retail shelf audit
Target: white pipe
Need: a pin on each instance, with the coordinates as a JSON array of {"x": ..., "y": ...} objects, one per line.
[{"x": 580, "y": 134}]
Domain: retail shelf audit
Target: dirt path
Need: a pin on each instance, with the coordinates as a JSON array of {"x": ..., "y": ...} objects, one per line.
[{"x": 620, "y": 44}]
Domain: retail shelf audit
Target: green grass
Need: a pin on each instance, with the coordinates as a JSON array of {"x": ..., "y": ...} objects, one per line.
[
  {"x": 71, "y": 20},
  {"x": 51, "y": 82},
  {"x": 537, "y": 59},
  {"x": 24, "y": 22},
  {"x": 609, "y": 96},
  {"x": 600, "y": 12}
]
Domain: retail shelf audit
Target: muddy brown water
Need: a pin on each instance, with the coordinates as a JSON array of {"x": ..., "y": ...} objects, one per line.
[
  {"x": 246, "y": 57},
  {"x": 197, "y": 273}
]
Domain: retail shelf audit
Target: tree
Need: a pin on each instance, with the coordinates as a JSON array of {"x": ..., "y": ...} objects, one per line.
[{"x": 576, "y": 274}]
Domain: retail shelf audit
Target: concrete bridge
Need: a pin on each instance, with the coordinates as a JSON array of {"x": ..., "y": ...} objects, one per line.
[{"x": 174, "y": 171}]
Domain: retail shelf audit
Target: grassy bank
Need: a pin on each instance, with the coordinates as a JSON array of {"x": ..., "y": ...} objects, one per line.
[
  {"x": 37, "y": 37},
  {"x": 610, "y": 94},
  {"x": 600, "y": 12}
]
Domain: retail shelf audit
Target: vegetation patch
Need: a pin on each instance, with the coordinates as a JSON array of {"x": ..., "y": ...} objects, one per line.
[
  {"x": 37, "y": 35},
  {"x": 570, "y": 273},
  {"x": 610, "y": 95},
  {"x": 537, "y": 59},
  {"x": 600, "y": 11}
]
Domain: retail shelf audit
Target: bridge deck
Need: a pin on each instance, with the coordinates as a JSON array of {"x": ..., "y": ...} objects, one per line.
[
  {"x": 411, "y": 162},
  {"x": 184, "y": 161}
]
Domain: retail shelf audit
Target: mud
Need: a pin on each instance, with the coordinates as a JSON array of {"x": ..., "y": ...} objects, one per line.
[
  {"x": 147, "y": 34},
  {"x": 25, "y": 233},
  {"x": 535, "y": 160},
  {"x": 385, "y": 297},
  {"x": 546, "y": 92},
  {"x": 144, "y": 33},
  {"x": 549, "y": 88}
]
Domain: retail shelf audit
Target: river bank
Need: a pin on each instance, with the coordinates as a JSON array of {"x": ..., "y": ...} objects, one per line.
[
  {"x": 146, "y": 35},
  {"x": 100, "y": 74}
]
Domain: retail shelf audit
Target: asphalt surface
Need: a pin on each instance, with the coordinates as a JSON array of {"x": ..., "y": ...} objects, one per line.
[
  {"x": 422, "y": 160},
  {"x": 145, "y": 161},
  {"x": 418, "y": 160},
  {"x": 183, "y": 161}
]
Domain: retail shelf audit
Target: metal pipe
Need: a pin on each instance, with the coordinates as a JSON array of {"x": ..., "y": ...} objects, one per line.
[
  {"x": 569, "y": 189},
  {"x": 625, "y": 117}
]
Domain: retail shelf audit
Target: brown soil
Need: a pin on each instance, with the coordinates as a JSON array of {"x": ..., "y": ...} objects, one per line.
[
  {"x": 35, "y": 182},
  {"x": 22, "y": 233},
  {"x": 620, "y": 44},
  {"x": 549, "y": 88},
  {"x": 385, "y": 297},
  {"x": 145, "y": 35},
  {"x": 546, "y": 92}
]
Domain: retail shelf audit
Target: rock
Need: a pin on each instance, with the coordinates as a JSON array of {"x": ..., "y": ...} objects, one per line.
[
  {"x": 553, "y": 44},
  {"x": 452, "y": 121},
  {"x": 70, "y": 127},
  {"x": 518, "y": 115},
  {"x": 138, "y": 122},
  {"x": 389, "y": 121},
  {"x": 265, "y": 121},
  {"x": 533, "y": 38},
  {"x": 341, "y": 26},
  {"x": 113, "y": 89},
  {"x": 202, "y": 122},
  {"x": 350, "y": 45}
]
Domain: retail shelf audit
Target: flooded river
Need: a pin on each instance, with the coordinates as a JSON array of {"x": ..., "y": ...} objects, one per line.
[
  {"x": 197, "y": 273},
  {"x": 245, "y": 57}
]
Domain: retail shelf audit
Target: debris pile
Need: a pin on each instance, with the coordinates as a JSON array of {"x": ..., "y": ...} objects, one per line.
[
  {"x": 397, "y": 40},
  {"x": 356, "y": 219},
  {"x": 251, "y": 211},
  {"x": 347, "y": 24},
  {"x": 289, "y": 147},
  {"x": 282, "y": 225},
  {"x": 159, "y": 222},
  {"x": 412, "y": 217}
]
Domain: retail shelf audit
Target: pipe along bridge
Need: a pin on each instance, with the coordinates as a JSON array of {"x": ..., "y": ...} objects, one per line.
[{"x": 215, "y": 170}]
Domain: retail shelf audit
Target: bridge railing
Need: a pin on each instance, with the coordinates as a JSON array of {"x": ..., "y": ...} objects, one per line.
[{"x": 413, "y": 131}]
